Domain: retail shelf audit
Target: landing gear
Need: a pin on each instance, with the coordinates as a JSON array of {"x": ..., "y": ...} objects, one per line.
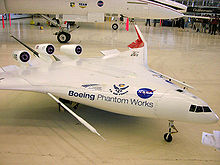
[
  {"x": 76, "y": 106},
  {"x": 63, "y": 37},
  {"x": 73, "y": 104},
  {"x": 56, "y": 20},
  {"x": 115, "y": 26},
  {"x": 59, "y": 106},
  {"x": 63, "y": 101},
  {"x": 167, "y": 136}
]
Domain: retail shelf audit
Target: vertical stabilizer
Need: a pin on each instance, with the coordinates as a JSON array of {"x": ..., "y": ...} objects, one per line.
[{"x": 140, "y": 43}]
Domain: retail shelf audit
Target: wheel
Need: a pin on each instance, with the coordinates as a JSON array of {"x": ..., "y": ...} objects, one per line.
[
  {"x": 115, "y": 26},
  {"x": 168, "y": 137},
  {"x": 63, "y": 37}
]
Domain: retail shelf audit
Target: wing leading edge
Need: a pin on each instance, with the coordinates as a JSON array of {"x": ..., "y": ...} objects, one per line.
[{"x": 142, "y": 43}]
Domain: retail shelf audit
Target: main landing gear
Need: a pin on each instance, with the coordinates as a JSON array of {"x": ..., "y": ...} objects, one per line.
[
  {"x": 73, "y": 104},
  {"x": 167, "y": 136},
  {"x": 63, "y": 37}
]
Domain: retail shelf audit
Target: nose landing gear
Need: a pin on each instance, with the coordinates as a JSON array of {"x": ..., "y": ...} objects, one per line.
[{"x": 167, "y": 136}]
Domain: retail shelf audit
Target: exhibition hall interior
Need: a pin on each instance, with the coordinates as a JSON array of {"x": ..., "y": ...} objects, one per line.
[{"x": 41, "y": 125}]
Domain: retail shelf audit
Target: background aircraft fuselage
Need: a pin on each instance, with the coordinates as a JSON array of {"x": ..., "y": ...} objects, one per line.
[{"x": 159, "y": 9}]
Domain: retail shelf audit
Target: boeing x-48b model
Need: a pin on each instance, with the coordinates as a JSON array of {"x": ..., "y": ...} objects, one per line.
[{"x": 119, "y": 82}]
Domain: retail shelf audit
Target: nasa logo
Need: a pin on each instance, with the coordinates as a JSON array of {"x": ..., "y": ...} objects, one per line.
[
  {"x": 82, "y": 5},
  {"x": 145, "y": 93},
  {"x": 100, "y": 3}
]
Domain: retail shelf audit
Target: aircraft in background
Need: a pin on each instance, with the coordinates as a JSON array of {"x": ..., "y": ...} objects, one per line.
[
  {"x": 118, "y": 82},
  {"x": 93, "y": 10}
]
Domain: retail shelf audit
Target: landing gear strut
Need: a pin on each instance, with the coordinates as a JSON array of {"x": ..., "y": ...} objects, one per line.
[
  {"x": 167, "y": 136},
  {"x": 76, "y": 106}
]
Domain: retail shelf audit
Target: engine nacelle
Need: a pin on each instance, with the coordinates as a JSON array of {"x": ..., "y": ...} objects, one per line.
[
  {"x": 46, "y": 49},
  {"x": 22, "y": 56},
  {"x": 74, "y": 50}
]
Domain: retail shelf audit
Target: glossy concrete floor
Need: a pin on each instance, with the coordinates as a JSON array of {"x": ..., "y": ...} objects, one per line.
[{"x": 32, "y": 131}]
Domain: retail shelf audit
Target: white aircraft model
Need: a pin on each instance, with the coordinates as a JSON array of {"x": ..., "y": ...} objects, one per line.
[
  {"x": 119, "y": 82},
  {"x": 93, "y": 10}
]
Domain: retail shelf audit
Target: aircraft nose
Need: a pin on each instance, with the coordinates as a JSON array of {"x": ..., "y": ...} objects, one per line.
[{"x": 215, "y": 118}]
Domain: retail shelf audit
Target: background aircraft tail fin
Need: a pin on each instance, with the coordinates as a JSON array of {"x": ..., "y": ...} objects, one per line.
[{"x": 140, "y": 43}]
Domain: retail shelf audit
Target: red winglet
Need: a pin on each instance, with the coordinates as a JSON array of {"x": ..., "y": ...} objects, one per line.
[{"x": 138, "y": 43}]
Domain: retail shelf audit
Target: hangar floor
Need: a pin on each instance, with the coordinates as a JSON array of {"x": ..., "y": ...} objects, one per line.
[{"x": 32, "y": 131}]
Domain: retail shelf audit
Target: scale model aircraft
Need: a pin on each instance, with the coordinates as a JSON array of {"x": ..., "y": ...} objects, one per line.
[
  {"x": 93, "y": 11},
  {"x": 118, "y": 82}
]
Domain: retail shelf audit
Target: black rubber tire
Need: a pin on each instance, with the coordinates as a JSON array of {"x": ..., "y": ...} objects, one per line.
[
  {"x": 68, "y": 36},
  {"x": 115, "y": 26},
  {"x": 168, "y": 137},
  {"x": 63, "y": 37}
]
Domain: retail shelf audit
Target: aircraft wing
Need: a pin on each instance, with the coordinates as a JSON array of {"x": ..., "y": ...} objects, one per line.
[
  {"x": 199, "y": 17},
  {"x": 58, "y": 78},
  {"x": 9, "y": 79},
  {"x": 110, "y": 52},
  {"x": 74, "y": 73},
  {"x": 171, "y": 79}
]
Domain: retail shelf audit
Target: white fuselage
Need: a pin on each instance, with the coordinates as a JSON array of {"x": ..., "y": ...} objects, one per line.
[{"x": 153, "y": 9}]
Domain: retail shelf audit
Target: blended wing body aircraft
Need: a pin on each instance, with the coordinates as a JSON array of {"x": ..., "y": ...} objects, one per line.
[
  {"x": 93, "y": 10},
  {"x": 119, "y": 82}
]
